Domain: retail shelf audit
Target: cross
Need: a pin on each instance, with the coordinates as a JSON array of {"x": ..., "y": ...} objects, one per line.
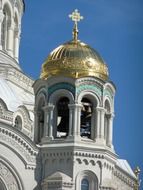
[{"x": 76, "y": 17}]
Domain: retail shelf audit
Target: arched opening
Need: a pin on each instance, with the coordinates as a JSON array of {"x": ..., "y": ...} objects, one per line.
[
  {"x": 84, "y": 184},
  {"x": 18, "y": 122},
  {"x": 5, "y": 25},
  {"x": 62, "y": 117},
  {"x": 86, "y": 118}
]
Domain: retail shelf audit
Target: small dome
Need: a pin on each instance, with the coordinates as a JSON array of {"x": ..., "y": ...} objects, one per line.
[{"x": 74, "y": 59}]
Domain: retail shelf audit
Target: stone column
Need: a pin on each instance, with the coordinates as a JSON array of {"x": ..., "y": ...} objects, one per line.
[
  {"x": 1, "y": 21},
  {"x": 46, "y": 116},
  {"x": 16, "y": 44},
  {"x": 78, "y": 108},
  {"x": 71, "y": 111},
  {"x": 74, "y": 125},
  {"x": 97, "y": 131},
  {"x": 10, "y": 38},
  {"x": 110, "y": 130},
  {"x": 48, "y": 123},
  {"x": 93, "y": 124},
  {"x": 50, "y": 120},
  {"x": 102, "y": 116},
  {"x": 100, "y": 125},
  {"x": 36, "y": 125}
]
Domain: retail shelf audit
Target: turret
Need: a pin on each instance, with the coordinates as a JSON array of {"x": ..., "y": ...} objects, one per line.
[{"x": 10, "y": 29}]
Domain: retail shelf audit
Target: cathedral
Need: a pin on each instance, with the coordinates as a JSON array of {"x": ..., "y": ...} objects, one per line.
[{"x": 56, "y": 133}]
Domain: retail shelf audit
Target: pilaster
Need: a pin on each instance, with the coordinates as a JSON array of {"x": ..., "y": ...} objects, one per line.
[{"x": 1, "y": 20}]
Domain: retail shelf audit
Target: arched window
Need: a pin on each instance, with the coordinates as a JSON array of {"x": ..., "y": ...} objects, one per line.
[
  {"x": 86, "y": 118},
  {"x": 84, "y": 184},
  {"x": 18, "y": 122},
  {"x": 87, "y": 180},
  {"x": 62, "y": 117}
]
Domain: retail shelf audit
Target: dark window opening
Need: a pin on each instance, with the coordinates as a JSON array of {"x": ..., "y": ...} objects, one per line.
[
  {"x": 18, "y": 122},
  {"x": 41, "y": 125},
  {"x": 107, "y": 106},
  {"x": 86, "y": 115},
  {"x": 84, "y": 184},
  {"x": 62, "y": 117}
]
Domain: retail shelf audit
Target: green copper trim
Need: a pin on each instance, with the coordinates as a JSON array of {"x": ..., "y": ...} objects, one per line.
[
  {"x": 89, "y": 87},
  {"x": 59, "y": 86}
]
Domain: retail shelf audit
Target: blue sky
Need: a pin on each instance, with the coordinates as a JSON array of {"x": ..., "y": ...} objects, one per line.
[{"x": 115, "y": 29}]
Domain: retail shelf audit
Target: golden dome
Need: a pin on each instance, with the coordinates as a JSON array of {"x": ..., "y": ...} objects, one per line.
[{"x": 74, "y": 59}]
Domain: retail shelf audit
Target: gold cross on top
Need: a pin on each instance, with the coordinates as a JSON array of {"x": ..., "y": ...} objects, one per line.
[{"x": 76, "y": 17}]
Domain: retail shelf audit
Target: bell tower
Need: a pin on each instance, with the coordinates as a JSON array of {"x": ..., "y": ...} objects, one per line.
[
  {"x": 10, "y": 29},
  {"x": 74, "y": 111}
]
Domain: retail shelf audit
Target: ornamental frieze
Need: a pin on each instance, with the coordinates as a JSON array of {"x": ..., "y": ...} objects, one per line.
[{"x": 19, "y": 145}]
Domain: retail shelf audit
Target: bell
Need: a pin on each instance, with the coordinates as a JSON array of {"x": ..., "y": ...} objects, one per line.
[
  {"x": 89, "y": 109},
  {"x": 83, "y": 108}
]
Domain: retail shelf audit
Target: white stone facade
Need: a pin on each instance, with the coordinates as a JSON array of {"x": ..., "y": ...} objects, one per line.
[{"x": 34, "y": 153}]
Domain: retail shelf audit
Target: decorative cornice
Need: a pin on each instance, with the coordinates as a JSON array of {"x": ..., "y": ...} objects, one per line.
[
  {"x": 5, "y": 115},
  {"x": 17, "y": 77},
  {"x": 124, "y": 176}
]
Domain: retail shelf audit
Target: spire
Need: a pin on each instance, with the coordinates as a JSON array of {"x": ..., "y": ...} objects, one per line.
[{"x": 75, "y": 17}]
